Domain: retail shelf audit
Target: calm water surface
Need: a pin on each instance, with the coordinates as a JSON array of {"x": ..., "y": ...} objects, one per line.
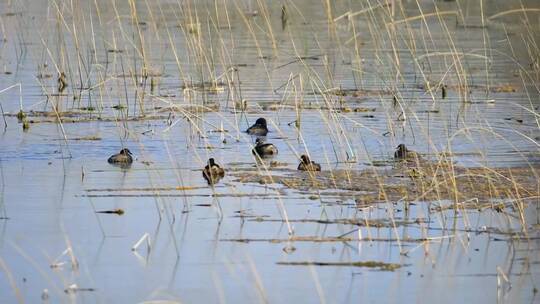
[{"x": 55, "y": 177}]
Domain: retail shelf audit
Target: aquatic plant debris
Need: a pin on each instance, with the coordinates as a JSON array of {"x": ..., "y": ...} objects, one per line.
[
  {"x": 118, "y": 211},
  {"x": 427, "y": 181},
  {"x": 368, "y": 264},
  {"x": 330, "y": 239}
]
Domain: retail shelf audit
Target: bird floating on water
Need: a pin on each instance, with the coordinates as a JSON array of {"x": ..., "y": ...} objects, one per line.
[
  {"x": 308, "y": 165},
  {"x": 212, "y": 173},
  {"x": 402, "y": 153},
  {"x": 263, "y": 149},
  {"x": 259, "y": 128},
  {"x": 123, "y": 157}
]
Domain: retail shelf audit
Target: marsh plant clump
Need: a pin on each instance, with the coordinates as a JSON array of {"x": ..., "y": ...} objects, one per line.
[{"x": 407, "y": 134}]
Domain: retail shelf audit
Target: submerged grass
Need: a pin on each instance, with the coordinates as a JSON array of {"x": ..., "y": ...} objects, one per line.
[
  {"x": 368, "y": 264},
  {"x": 412, "y": 182}
]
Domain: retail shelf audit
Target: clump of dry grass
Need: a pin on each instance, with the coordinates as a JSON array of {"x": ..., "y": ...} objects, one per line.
[{"x": 414, "y": 183}]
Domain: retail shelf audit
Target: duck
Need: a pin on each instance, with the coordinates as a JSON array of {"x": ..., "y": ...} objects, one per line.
[
  {"x": 212, "y": 172},
  {"x": 403, "y": 153},
  {"x": 259, "y": 128},
  {"x": 308, "y": 165},
  {"x": 263, "y": 149},
  {"x": 123, "y": 157}
]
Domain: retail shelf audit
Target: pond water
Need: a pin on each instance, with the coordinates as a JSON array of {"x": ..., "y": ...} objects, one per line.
[{"x": 177, "y": 82}]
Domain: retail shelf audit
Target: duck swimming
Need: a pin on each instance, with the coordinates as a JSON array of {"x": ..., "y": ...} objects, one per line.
[
  {"x": 259, "y": 128},
  {"x": 402, "y": 153},
  {"x": 123, "y": 157},
  {"x": 263, "y": 149},
  {"x": 308, "y": 165},
  {"x": 212, "y": 173}
]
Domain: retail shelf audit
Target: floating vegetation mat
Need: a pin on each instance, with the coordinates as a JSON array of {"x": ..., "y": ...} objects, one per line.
[
  {"x": 368, "y": 264},
  {"x": 415, "y": 181}
]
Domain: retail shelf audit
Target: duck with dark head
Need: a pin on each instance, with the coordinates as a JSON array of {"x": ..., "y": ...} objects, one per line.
[
  {"x": 212, "y": 173},
  {"x": 402, "y": 153},
  {"x": 259, "y": 128},
  {"x": 263, "y": 149},
  {"x": 308, "y": 165},
  {"x": 123, "y": 157}
]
